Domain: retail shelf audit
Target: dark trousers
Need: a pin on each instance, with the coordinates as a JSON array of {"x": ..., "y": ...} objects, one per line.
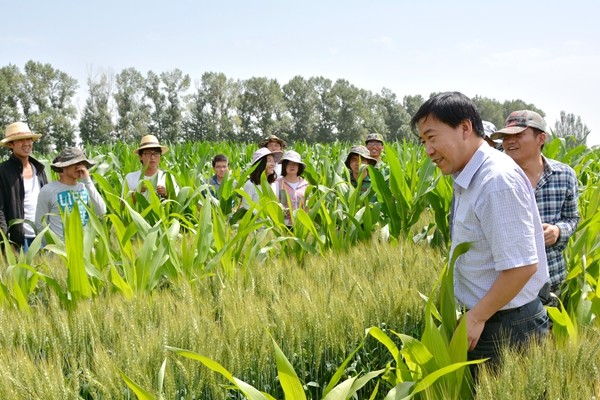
[{"x": 513, "y": 327}]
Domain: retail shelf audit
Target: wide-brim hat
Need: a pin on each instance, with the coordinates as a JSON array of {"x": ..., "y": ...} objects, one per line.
[
  {"x": 361, "y": 151},
  {"x": 261, "y": 153},
  {"x": 292, "y": 156},
  {"x": 18, "y": 131},
  {"x": 272, "y": 138},
  {"x": 518, "y": 121},
  {"x": 150, "y": 142},
  {"x": 70, "y": 156}
]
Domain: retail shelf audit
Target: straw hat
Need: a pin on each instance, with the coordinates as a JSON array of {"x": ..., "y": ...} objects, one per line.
[
  {"x": 151, "y": 142},
  {"x": 17, "y": 131},
  {"x": 70, "y": 156},
  {"x": 262, "y": 152}
]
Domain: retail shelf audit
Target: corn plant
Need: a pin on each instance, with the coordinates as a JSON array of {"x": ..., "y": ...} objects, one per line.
[
  {"x": 20, "y": 277},
  {"x": 292, "y": 386},
  {"x": 434, "y": 366}
]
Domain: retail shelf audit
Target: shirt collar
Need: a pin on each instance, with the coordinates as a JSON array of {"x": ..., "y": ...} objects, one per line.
[{"x": 464, "y": 177}]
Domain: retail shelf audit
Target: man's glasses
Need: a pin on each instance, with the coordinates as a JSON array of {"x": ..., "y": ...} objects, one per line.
[{"x": 153, "y": 154}]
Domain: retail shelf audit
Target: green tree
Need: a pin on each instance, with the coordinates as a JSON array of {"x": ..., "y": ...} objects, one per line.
[
  {"x": 302, "y": 99},
  {"x": 395, "y": 116},
  {"x": 46, "y": 101},
  {"x": 262, "y": 110},
  {"x": 326, "y": 108},
  {"x": 133, "y": 114},
  {"x": 96, "y": 126},
  {"x": 571, "y": 128},
  {"x": 175, "y": 85},
  {"x": 348, "y": 108},
  {"x": 515, "y": 105},
  {"x": 491, "y": 110},
  {"x": 412, "y": 103},
  {"x": 213, "y": 109},
  {"x": 10, "y": 84},
  {"x": 157, "y": 104},
  {"x": 372, "y": 113}
]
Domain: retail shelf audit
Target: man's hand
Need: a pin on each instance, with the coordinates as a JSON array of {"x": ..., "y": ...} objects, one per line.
[
  {"x": 161, "y": 191},
  {"x": 551, "y": 234},
  {"x": 474, "y": 328},
  {"x": 82, "y": 171}
]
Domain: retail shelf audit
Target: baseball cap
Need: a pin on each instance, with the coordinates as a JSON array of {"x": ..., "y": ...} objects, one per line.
[{"x": 518, "y": 121}]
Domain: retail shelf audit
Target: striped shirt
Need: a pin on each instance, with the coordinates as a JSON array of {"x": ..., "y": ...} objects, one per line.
[{"x": 556, "y": 195}]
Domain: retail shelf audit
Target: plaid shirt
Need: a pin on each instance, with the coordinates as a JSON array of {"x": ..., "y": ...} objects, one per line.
[{"x": 556, "y": 195}]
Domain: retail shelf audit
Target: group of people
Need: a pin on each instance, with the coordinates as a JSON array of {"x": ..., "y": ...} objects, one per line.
[
  {"x": 283, "y": 172},
  {"x": 29, "y": 202},
  {"x": 516, "y": 207},
  {"x": 27, "y": 199}
]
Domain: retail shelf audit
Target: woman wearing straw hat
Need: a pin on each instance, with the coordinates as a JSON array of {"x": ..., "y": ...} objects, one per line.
[
  {"x": 291, "y": 187},
  {"x": 21, "y": 178},
  {"x": 264, "y": 161},
  {"x": 150, "y": 153}
]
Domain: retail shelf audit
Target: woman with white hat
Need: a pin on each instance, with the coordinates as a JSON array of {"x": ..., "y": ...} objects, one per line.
[
  {"x": 150, "y": 153},
  {"x": 264, "y": 161},
  {"x": 21, "y": 178},
  {"x": 291, "y": 187}
]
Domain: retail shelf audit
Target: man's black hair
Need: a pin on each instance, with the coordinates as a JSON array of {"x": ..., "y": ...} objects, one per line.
[
  {"x": 284, "y": 164},
  {"x": 219, "y": 158},
  {"x": 450, "y": 108},
  {"x": 154, "y": 149}
]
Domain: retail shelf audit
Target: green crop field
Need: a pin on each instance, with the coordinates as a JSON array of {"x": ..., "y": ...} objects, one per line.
[{"x": 185, "y": 299}]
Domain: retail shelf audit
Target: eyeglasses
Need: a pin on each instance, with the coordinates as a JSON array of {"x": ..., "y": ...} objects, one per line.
[
  {"x": 374, "y": 144},
  {"x": 152, "y": 154}
]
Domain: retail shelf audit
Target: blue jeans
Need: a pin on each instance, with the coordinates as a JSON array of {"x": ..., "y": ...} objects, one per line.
[{"x": 514, "y": 328}]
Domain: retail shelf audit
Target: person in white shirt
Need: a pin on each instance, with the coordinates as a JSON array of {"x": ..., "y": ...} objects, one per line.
[
  {"x": 150, "y": 152},
  {"x": 264, "y": 161},
  {"x": 498, "y": 279}
]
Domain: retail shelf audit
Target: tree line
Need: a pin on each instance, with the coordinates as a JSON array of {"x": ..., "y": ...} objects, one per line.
[{"x": 127, "y": 105}]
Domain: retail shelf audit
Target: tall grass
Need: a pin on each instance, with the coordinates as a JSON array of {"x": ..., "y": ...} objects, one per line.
[
  {"x": 547, "y": 371},
  {"x": 316, "y": 312}
]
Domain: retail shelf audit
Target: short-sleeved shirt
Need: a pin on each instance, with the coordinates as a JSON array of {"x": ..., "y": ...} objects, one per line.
[
  {"x": 495, "y": 210},
  {"x": 134, "y": 181},
  {"x": 57, "y": 197}
]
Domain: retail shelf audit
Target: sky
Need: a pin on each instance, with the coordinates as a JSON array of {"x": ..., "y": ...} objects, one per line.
[{"x": 546, "y": 53}]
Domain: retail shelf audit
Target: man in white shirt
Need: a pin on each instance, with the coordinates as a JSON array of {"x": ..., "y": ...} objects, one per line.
[
  {"x": 150, "y": 152},
  {"x": 497, "y": 281}
]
